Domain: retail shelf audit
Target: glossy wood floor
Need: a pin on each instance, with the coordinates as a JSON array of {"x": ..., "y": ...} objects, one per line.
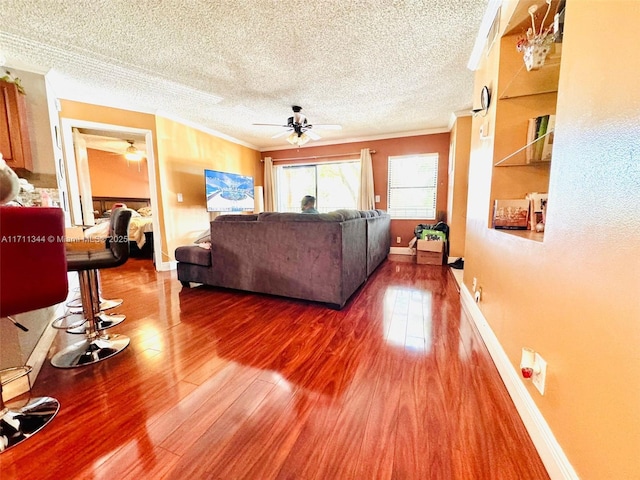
[{"x": 228, "y": 385}]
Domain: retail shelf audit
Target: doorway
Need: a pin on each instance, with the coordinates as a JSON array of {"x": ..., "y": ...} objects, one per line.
[{"x": 78, "y": 175}]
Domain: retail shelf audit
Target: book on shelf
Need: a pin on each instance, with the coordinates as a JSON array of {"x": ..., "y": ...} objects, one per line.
[
  {"x": 540, "y": 138},
  {"x": 547, "y": 146}
]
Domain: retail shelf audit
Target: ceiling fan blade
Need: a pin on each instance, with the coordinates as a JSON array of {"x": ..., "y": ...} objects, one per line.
[
  {"x": 312, "y": 134},
  {"x": 328, "y": 126},
  {"x": 270, "y": 125},
  {"x": 282, "y": 134}
]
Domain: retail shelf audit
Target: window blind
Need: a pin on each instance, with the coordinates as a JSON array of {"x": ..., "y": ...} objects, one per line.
[{"x": 412, "y": 186}]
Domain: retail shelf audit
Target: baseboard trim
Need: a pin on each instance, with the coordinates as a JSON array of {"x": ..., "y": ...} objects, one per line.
[
  {"x": 550, "y": 451},
  {"x": 166, "y": 266}
]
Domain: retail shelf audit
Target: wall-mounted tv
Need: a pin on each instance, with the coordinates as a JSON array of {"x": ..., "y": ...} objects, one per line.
[{"x": 228, "y": 192}]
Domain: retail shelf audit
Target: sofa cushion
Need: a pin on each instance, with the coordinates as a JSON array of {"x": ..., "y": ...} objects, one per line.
[
  {"x": 348, "y": 214},
  {"x": 369, "y": 213},
  {"x": 234, "y": 217},
  {"x": 283, "y": 217},
  {"x": 194, "y": 255}
]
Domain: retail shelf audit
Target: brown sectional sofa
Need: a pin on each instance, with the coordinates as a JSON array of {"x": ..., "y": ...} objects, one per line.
[{"x": 318, "y": 257}]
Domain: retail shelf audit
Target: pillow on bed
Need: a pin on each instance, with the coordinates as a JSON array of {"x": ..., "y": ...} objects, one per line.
[
  {"x": 145, "y": 211},
  {"x": 204, "y": 237}
]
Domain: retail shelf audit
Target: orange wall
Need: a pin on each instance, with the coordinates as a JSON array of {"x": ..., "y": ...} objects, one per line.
[
  {"x": 113, "y": 176},
  {"x": 436, "y": 143},
  {"x": 183, "y": 154},
  {"x": 574, "y": 296},
  {"x": 460, "y": 146}
]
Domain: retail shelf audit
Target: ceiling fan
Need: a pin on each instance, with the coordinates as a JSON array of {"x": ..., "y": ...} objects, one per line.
[
  {"x": 299, "y": 129},
  {"x": 132, "y": 153}
]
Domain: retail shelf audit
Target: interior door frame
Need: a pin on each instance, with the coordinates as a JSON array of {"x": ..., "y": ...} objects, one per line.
[{"x": 73, "y": 180}]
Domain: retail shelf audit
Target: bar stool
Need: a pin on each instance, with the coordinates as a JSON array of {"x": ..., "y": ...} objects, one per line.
[
  {"x": 97, "y": 345},
  {"x": 33, "y": 269},
  {"x": 79, "y": 327}
]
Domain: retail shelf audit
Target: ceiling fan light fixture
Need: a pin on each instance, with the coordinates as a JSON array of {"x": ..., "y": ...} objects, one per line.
[
  {"x": 298, "y": 138},
  {"x": 293, "y": 138},
  {"x": 132, "y": 153},
  {"x": 302, "y": 139}
]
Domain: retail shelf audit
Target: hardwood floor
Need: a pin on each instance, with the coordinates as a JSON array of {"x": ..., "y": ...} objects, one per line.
[{"x": 221, "y": 384}]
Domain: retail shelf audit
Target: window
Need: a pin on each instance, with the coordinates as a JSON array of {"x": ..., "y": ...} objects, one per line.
[
  {"x": 413, "y": 181},
  {"x": 335, "y": 185}
]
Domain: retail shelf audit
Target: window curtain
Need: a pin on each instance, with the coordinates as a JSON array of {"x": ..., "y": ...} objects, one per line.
[
  {"x": 269, "y": 186},
  {"x": 366, "y": 200}
]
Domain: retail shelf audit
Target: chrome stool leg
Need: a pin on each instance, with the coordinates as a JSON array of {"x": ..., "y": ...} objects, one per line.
[
  {"x": 97, "y": 345},
  {"x": 105, "y": 304},
  {"x": 18, "y": 424},
  {"x": 105, "y": 320}
]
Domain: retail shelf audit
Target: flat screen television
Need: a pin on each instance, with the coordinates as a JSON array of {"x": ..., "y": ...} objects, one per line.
[{"x": 228, "y": 192}]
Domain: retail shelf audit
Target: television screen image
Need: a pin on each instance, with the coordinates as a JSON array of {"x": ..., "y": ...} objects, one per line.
[{"x": 228, "y": 192}]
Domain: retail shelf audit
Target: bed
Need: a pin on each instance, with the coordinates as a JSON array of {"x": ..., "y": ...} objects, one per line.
[{"x": 140, "y": 226}]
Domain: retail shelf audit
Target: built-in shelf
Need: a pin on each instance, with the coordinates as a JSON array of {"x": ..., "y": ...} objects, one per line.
[
  {"x": 527, "y": 234},
  {"x": 520, "y": 155},
  {"x": 534, "y": 82}
]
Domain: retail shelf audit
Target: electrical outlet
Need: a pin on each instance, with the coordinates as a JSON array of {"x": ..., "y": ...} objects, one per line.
[
  {"x": 474, "y": 284},
  {"x": 398, "y": 239},
  {"x": 180, "y": 198},
  {"x": 538, "y": 379}
]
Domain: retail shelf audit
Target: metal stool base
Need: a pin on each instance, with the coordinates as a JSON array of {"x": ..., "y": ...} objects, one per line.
[
  {"x": 104, "y": 304},
  {"x": 88, "y": 351},
  {"x": 17, "y": 425},
  {"x": 105, "y": 321}
]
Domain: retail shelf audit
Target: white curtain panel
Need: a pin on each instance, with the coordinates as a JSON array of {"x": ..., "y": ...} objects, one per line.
[
  {"x": 366, "y": 197},
  {"x": 258, "y": 199},
  {"x": 269, "y": 186}
]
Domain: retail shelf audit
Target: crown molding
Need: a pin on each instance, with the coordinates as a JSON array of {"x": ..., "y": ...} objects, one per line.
[
  {"x": 207, "y": 130},
  {"x": 326, "y": 143}
]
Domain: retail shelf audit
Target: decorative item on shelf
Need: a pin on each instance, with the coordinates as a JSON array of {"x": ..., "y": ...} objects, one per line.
[
  {"x": 511, "y": 214},
  {"x": 538, "y": 202},
  {"x": 537, "y": 44}
]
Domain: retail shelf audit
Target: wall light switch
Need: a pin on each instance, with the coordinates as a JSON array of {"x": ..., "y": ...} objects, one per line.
[
  {"x": 539, "y": 378},
  {"x": 180, "y": 198},
  {"x": 377, "y": 198}
]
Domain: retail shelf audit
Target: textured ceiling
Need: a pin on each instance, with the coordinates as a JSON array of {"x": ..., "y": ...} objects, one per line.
[
  {"x": 110, "y": 142},
  {"x": 378, "y": 68}
]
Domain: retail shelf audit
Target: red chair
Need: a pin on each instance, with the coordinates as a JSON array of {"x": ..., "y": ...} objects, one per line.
[{"x": 33, "y": 275}]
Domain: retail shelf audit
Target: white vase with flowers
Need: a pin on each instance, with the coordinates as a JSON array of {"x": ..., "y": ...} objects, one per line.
[{"x": 536, "y": 45}]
